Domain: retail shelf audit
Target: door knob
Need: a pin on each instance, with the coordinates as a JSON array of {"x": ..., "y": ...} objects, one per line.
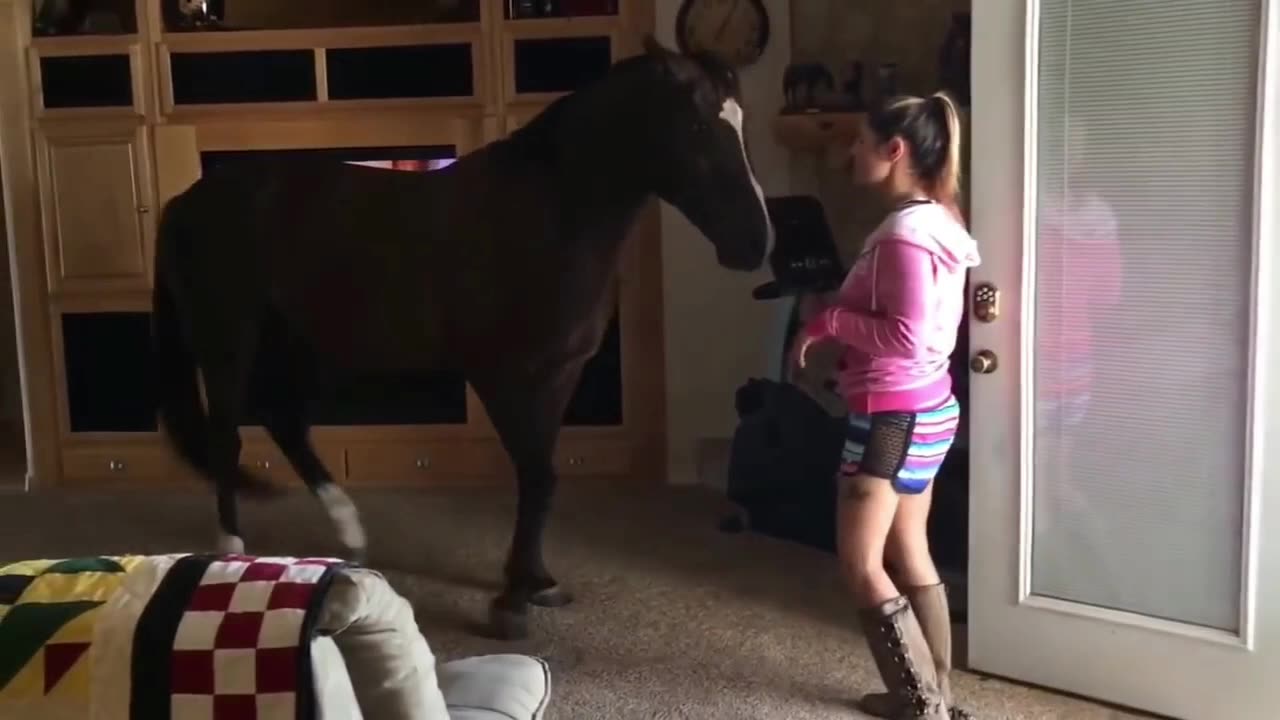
[{"x": 984, "y": 362}]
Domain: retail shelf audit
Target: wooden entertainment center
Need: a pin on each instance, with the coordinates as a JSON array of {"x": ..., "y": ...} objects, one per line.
[{"x": 98, "y": 131}]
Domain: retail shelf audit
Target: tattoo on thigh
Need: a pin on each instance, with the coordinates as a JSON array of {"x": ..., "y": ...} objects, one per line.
[{"x": 855, "y": 489}]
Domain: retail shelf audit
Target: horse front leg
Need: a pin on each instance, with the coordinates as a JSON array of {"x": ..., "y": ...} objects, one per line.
[
  {"x": 528, "y": 582},
  {"x": 526, "y": 570},
  {"x": 527, "y": 416}
]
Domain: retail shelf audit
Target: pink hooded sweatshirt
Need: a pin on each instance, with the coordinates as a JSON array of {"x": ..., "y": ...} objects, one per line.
[{"x": 899, "y": 310}]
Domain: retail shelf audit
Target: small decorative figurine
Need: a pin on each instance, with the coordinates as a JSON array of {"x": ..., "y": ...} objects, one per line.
[
  {"x": 853, "y": 87},
  {"x": 803, "y": 85},
  {"x": 887, "y": 80}
]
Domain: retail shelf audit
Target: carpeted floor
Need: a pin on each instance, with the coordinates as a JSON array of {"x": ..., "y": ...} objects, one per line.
[{"x": 673, "y": 619}]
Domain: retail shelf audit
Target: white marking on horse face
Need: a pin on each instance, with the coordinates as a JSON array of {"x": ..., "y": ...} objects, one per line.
[{"x": 731, "y": 112}]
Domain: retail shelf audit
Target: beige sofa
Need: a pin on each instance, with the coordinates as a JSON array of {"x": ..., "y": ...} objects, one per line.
[
  {"x": 201, "y": 637},
  {"x": 373, "y": 629}
]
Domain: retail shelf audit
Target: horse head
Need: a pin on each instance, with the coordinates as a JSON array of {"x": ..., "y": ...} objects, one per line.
[{"x": 696, "y": 156}]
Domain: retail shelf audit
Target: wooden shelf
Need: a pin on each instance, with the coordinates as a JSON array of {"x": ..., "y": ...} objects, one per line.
[
  {"x": 815, "y": 130},
  {"x": 70, "y": 45},
  {"x": 300, "y": 39},
  {"x": 564, "y": 26},
  {"x": 156, "y": 144}
]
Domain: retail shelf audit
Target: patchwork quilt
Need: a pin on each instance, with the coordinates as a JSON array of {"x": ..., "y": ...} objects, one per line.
[{"x": 173, "y": 637}]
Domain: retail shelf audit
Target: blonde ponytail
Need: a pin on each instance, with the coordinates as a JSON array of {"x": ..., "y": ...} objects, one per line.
[{"x": 946, "y": 185}]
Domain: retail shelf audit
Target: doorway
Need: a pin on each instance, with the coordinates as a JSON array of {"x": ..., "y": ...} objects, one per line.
[{"x": 1124, "y": 546}]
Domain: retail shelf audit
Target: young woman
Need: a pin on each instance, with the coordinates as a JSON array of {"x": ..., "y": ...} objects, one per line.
[{"x": 896, "y": 317}]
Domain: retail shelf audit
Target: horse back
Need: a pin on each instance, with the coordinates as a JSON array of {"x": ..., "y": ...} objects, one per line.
[{"x": 376, "y": 268}]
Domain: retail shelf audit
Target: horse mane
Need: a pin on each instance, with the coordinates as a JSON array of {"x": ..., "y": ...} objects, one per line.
[{"x": 539, "y": 137}]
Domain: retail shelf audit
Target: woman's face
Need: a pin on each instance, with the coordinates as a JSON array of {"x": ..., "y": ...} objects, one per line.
[{"x": 873, "y": 160}]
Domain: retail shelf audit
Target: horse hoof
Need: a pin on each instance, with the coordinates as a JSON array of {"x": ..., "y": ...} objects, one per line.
[
  {"x": 230, "y": 544},
  {"x": 358, "y": 556},
  {"x": 551, "y": 597},
  {"x": 507, "y": 624}
]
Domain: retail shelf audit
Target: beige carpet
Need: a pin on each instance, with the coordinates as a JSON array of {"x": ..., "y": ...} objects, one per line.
[{"x": 673, "y": 619}]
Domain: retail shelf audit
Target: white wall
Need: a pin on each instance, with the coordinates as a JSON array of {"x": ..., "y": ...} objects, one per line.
[{"x": 716, "y": 335}]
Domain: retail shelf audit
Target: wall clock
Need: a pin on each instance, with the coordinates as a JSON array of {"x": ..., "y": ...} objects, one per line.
[{"x": 736, "y": 31}]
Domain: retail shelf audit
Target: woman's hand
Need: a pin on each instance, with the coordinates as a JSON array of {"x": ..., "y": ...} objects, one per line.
[
  {"x": 810, "y": 304},
  {"x": 818, "y": 328}
]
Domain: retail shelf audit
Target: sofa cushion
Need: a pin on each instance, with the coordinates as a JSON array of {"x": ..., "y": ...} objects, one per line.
[
  {"x": 392, "y": 670},
  {"x": 335, "y": 698},
  {"x": 495, "y": 687}
]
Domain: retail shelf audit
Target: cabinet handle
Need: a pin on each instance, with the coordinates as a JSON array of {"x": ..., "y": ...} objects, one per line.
[
  {"x": 115, "y": 465},
  {"x": 575, "y": 460},
  {"x": 264, "y": 464},
  {"x": 423, "y": 463},
  {"x": 143, "y": 209}
]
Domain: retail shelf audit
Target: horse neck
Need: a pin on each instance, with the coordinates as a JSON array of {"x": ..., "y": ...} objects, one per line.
[{"x": 587, "y": 142}]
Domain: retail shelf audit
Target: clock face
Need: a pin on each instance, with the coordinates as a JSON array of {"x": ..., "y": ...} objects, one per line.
[{"x": 734, "y": 30}]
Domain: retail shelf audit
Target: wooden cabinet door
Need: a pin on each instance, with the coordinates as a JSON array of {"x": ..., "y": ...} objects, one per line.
[{"x": 95, "y": 193}]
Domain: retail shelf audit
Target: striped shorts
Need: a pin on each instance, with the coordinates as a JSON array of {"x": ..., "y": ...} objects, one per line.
[{"x": 906, "y": 448}]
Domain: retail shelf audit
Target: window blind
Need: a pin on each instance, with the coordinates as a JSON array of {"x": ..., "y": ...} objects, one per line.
[{"x": 1145, "y": 134}]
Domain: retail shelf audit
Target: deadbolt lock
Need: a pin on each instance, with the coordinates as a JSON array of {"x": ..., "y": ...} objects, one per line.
[
  {"x": 984, "y": 362},
  {"x": 986, "y": 302}
]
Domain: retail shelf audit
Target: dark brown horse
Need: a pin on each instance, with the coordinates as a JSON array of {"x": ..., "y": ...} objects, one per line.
[{"x": 500, "y": 265}]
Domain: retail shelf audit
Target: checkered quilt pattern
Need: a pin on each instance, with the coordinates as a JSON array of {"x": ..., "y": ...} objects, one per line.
[{"x": 227, "y": 637}]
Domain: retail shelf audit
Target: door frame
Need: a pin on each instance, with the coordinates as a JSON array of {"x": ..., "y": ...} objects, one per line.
[
  {"x": 1004, "y": 64},
  {"x": 26, "y": 264}
]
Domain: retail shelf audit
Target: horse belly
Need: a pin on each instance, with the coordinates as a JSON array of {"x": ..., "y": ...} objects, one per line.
[
  {"x": 361, "y": 319},
  {"x": 353, "y": 272}
]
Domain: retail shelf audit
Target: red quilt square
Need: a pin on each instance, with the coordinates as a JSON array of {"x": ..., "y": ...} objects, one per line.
[
  {"x": 192, "y": 672},
  {"x": 216, "y": 596},
  {"x": 290, "y": 596},
  {"x": 238, "y": 630},
  {"x": 277, "y": 670},
  {"x": 235, "y": 707},
  {"x": 263, "y": 571}
]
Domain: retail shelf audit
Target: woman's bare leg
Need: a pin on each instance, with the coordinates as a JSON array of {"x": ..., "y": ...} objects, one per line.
[
  {"x": 908, "y": 542},
  {"x": 907, "y": 550},
  {"x": 865, "y": 514}
]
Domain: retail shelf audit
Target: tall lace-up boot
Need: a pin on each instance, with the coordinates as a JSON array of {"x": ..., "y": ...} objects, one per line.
[
  {"x": 905, "y": 662},
  {"x": 934, "y": 615}
]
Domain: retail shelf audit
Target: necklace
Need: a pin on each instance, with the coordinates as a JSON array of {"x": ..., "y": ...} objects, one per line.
[{"x": 911, "y": 202}]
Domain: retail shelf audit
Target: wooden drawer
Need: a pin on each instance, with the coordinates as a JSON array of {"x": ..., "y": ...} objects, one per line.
[
  {"x": 413, "y": 463},
  {"x": 119, "y": 464},
  {"x": 267, "y": 460},
  {"x": 593, "y": 456}
]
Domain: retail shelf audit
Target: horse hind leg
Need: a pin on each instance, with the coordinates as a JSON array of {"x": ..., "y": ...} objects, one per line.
[
  {"x": 284, "y": 415},
  {"x": 290, "y": 433},
  {"x": 224, "y": 390},
  {"x": 225, "y": 361}
]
